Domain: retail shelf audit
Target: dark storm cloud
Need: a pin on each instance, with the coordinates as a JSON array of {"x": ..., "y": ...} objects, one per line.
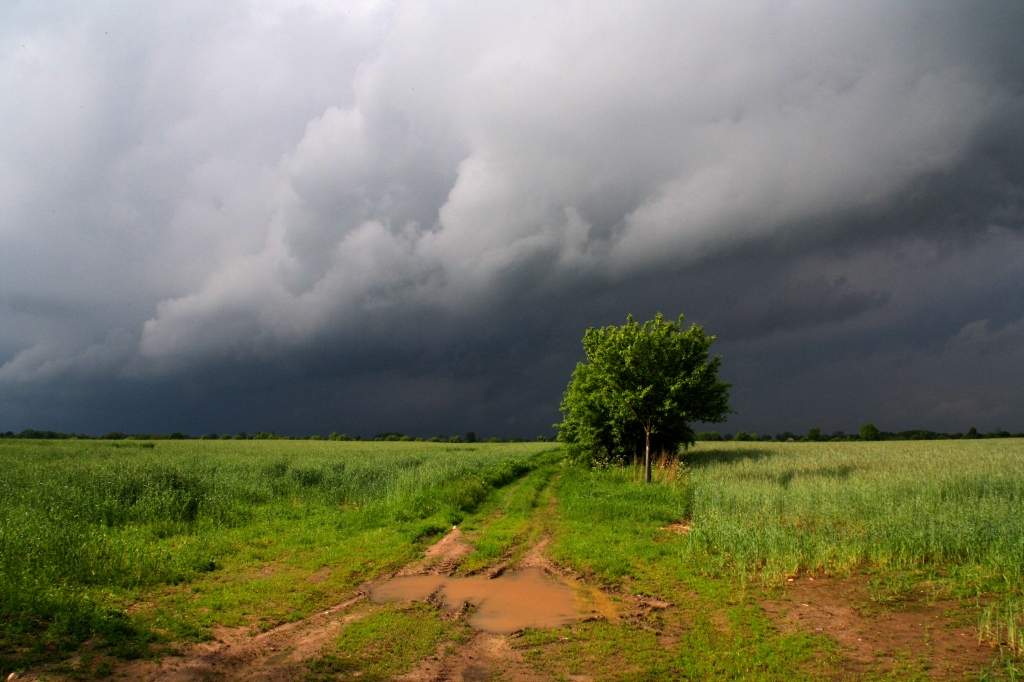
[{"x": 368, "y": 216}]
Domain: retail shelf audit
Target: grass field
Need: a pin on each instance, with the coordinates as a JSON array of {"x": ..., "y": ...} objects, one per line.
[{"x": 127, "y": 549}]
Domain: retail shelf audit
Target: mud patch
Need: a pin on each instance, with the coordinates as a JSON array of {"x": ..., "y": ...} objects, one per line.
[
  {"x": 524, "y": 599},
  {"x": 537, "y": 594},
  {"x": 920, "y": 630}
]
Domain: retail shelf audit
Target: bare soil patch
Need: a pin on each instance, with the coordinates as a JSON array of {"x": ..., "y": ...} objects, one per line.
[
  {"x": 441, "y": 558},
  {"x": 873, "y": 638},
  {"x": 681, "y": 528}
]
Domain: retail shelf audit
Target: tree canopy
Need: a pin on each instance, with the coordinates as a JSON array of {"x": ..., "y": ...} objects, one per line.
[{"x": 639, "y": 391}]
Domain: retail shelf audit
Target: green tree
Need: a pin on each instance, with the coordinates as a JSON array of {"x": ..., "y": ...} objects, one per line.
[
  {"x": 641, "y": 388},
  {"x": 870, "y": 432}
]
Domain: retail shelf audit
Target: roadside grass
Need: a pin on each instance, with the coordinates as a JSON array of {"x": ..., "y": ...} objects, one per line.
[
  {"x": 610, "y": 528},
  {"x": 748, "y": 650},
  {"x": 946, "y": 517},
  {"x": 505, "y": 525},
  {"x": 388, "y": 642},
  {"x": 132, "y": 544}
]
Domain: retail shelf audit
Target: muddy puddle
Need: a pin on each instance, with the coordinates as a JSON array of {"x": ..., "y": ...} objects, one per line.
[{"x": 529, "y": 598}]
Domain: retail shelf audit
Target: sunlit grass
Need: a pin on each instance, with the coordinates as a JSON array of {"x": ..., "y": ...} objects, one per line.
[
  {"x": 782, "y": 508},
  {"x": 199, "y": 533},
  {"x": 128, "y": 544},
  {"x": 386, "y": 643}
]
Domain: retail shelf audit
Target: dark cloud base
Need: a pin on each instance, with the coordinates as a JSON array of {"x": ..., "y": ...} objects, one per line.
[{"x": 803, "y": 341}]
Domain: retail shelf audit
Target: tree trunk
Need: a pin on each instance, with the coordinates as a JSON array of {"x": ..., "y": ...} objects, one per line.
[{"x": 647, "y": 457}]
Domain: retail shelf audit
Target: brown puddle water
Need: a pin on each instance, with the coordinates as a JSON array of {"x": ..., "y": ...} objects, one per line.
[{"x": 529, "y": 598}]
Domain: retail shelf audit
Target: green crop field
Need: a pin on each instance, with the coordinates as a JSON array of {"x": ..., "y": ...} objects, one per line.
[{"x": 119, "y": 550}]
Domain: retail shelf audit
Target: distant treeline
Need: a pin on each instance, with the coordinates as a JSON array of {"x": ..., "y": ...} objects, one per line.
[
  {"x": 262, "y": 435},
  {"x": 867, "y": 432}
]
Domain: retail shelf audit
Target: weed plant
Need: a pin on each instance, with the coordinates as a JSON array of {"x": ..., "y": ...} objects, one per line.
[{"x": 1002, "y": 625}]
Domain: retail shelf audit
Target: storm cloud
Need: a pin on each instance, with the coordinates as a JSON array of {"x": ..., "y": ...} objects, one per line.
[{"x": 376, "y": 216}]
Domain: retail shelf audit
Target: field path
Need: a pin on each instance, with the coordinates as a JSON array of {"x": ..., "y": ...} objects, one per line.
[
  {"x": 276, "y": 654},
  {"x": 279, "y": 653},
  {"x": 490, "y": 656},
  {"x": 283, "y": 652}
]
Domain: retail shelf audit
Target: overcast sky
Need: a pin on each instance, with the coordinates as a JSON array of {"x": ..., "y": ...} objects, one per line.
[{"x": 369, "y": 216}]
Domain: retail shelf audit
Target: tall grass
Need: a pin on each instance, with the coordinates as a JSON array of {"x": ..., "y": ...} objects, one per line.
[
  {"x": 782, "y": 508},
  {"x": 78, "y": 518},
  {"x": 1002, "y": 624}
]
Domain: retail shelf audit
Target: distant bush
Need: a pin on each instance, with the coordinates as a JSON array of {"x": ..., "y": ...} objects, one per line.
[
  {"x": 869, "y": 432},
  {"x": 708, "y": 435},
  {"x": 744, "y": 436}
]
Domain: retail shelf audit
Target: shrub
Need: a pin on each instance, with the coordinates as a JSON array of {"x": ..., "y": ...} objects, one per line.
[{"x": 869, "y": 432}]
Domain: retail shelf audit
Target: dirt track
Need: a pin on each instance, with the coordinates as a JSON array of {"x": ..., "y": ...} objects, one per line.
[{"x": 869, "y": 637}]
